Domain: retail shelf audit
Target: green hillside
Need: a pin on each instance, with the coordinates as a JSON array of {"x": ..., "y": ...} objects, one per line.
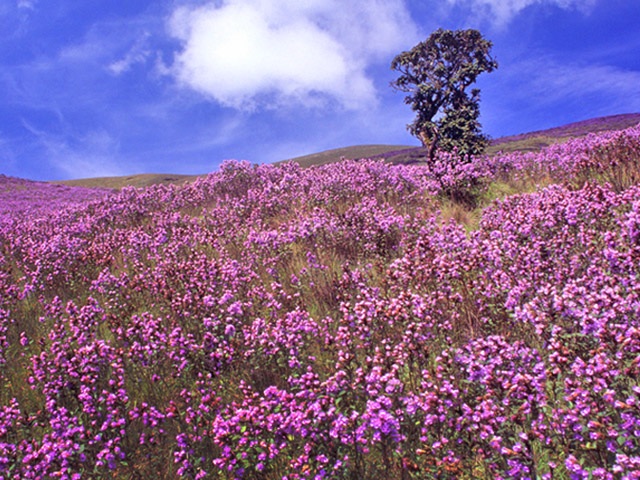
[{"x": 406, "y": 154}]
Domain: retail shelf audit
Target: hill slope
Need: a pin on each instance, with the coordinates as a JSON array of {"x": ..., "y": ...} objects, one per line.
[
  {"x": 356, "y": 151},
  {"x": 526, "y": 142},
  {"x": 534, "y": 141},
  {"x": 406, "y": 154},
  {"x": 138, "y": 181}
]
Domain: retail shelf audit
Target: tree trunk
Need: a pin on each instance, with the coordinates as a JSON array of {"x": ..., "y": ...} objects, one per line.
[{"x": 434, "y": 143}]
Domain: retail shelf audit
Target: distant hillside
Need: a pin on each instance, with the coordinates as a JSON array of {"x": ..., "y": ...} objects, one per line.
[
  {"x": 20, "y": 197},
  {"x": 407, "y": 154},
  {"x": 525, "y": 142},
  {"x": 356, "y": 151},
  {"x": 139, "y": 181},
  {"x": 534, "y": 141}
]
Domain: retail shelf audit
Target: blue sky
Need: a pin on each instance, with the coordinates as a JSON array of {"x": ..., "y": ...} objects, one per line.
[{"x": 113, "y": 87}]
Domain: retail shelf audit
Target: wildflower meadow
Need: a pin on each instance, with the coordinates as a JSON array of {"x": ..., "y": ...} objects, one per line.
[{"x": 473, "y": 318}]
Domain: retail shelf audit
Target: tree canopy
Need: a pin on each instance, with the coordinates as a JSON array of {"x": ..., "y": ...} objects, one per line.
[{"x": 437, "y": 73}]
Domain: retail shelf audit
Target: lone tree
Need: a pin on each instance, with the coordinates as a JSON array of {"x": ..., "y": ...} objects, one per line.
[{"x": 436, "y": 73}]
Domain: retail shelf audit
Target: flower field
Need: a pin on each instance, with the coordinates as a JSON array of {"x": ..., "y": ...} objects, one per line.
[{"x": 274, "y": 322}]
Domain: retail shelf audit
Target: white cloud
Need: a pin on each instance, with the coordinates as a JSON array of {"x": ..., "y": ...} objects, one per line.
[
  {"x": 28, "y": 4},
  {"x": 93, "y": 154},
  {"x": 501, "y": 11},
  {"x": 550, "y": 88},
  {"x": 251, "y": 53},
  {"x": 7, "y": 156},
  {"x": 138, "y": 53},
  {"x": 555, "y": 82}
]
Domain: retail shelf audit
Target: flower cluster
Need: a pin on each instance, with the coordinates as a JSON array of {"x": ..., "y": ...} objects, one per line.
[{"x": 275, "y": 322}]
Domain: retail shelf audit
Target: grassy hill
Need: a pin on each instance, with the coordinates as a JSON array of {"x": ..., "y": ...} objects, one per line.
[
  {"x": 534, "y": 141},
  {"x": 356, "y": 151},
  {"x": 139, "y": 181},
  {"x": 526, "y": 142},
  {"x": 405, "y": 154}
]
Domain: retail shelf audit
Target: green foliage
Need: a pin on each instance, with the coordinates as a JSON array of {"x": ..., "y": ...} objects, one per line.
[{"x": 436, "y": 73}]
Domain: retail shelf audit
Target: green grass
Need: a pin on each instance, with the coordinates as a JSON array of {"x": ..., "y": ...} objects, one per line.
[
  {"x": 138, "y": 181},
  {"x": 356, "y": 151}
]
